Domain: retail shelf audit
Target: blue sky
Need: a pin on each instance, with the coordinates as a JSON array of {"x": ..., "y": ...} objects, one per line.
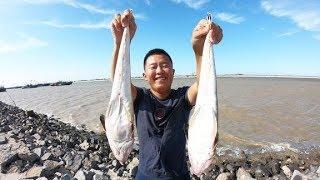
[{"x": 51, "y": 40}]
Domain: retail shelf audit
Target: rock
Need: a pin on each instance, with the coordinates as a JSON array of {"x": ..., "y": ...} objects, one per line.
[
  {"x": 96, "y": 171},
  {"x": 297, "y": 175},
  {"x": 42, "y": 178},
  {"x": 31, "y": 113},
  {"x": 86, "y": 164},
  {"x": 120, "y": 171},
  {"x": 286, "y": 171},
  {"x": 40, "y": 142},
  {"x": 262, "y": 171},
  {"x": 100, "y": 177},
  {"x": 80, "y": 175},
  {"x": 38, "y": 151},
  {"x": 46, "y": 156},
  {"x": 242, "y": 174},
  {"x": 37, "y": 136},
  {"x": 35, "y": 171},
  {"x": 116, "y": 164},
  {"x": 57, "y": 152},
  {"x": 7, "y": 159},
  {"x": 76, "y": 163},
  {"x": 66, "y": 177},
  {"x": 318, "y": 171},
  {"x": 3, "y": 139},
  {"x": 224, "y": 176},
  {"x": 84, "y": 145},
  {"x": 50, "y": 167},
  {"x": 288, "y": 161},
  {"x": 274, "y": 166},
  {"x": 31, "y": 157},
  {"x": 134, "y": 163},
  {"x": 230, "y": 168},
  {"x": 134, "y": 171}
]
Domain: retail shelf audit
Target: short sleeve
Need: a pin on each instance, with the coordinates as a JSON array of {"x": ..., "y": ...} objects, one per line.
[
  {"x": 140, "y": 94},
  {"x": 183, "y": 91}
]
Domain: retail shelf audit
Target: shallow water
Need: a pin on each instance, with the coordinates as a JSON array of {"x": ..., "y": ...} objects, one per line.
[{"x": 255, "y": 114}]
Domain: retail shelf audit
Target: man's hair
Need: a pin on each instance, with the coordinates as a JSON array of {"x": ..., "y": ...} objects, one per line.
[{"x": 155, "y": 51}]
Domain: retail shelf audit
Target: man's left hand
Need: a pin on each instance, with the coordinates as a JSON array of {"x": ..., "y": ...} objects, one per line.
[{"x": 199, "y": 34}]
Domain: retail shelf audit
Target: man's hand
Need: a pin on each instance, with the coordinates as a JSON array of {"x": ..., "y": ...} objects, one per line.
[
  {"x": 119, "y": 22},
  {"x": 199, "y": 34}
]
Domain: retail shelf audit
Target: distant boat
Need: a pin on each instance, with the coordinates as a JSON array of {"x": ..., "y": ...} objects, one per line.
[
  {"x": 61, "y": 83},
  {"x": 3, "y": 89}
]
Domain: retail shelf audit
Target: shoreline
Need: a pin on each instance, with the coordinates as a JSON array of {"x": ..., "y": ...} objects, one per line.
[
  {"x": 191, "y": 76},
  {"x": 34, "y": 145}
]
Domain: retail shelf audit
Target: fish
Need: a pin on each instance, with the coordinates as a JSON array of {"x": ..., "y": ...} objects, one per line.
[
  {"x": 203, "y": 122},
  {"x": 119, "y": 118}
]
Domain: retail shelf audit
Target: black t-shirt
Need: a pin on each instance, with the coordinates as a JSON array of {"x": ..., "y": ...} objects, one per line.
[{"x": 161, "y": 132}]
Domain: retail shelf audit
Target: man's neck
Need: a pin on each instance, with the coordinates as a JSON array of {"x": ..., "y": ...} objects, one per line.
[{"x": 161, "y": 95}]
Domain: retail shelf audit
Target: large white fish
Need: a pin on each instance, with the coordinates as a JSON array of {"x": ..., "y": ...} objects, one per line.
[
  {"x": 202, "y": 129},
  {"x": 120, "y": 116}
]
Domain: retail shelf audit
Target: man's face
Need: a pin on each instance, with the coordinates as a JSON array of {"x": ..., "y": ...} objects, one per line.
[{"x": 158, "y": 72}]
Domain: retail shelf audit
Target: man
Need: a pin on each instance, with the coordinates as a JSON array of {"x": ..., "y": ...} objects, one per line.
[{"x": 161, "y": 112}]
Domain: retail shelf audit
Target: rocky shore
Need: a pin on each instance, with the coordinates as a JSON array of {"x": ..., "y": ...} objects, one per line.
[{"x": 35, "y": 146}]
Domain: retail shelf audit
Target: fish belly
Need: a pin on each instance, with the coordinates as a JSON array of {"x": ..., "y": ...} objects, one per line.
[
  {"x": 119, "y": 114},
  {"x": 203, "y": 126}
]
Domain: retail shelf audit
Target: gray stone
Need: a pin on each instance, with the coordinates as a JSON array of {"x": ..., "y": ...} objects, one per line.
[
  {"x": 297, "y": 175},
  {"x": 49, "y": 164},
  {"x": 134, "y": 171},
  {"x": 120, "y": 171},
  {"x": 66, "y": 177},
  {"x": 57, "y": 152},
  {"x": 242, "y": 174},
  {"x": 35, "y": 171},
  {"x": 42, "y": 178},
  {"x": 224, "y": 176},
  {"x": 262, "y": 171},
  {"x": 318, "y": 171},
  {"x": 31, "y": 157},
  {"x": 230, "y": 168},
  {"x": 31, "y": 113},
  {"x": 3, "y": 139},
  {"x": 96, "y": 171},
  {"x": 84, "y": 145},
  {"x": 76, "y": 163},
  {"x": 80, "y": 175},
  {"x": 58, "y": 174},
  {"x": 46, "y": 156},
  {"x": 134, "y": 162},
  {"x": 100, "y": 177},
  {"x": 38, "y": 151},
  {"x": 286, "y": 171},
  {"x": 37, "y": 136},
  {"x": 7, "y": 159},
  {"x": 40, "y": 142},
  {"x": 116, "y": 164}
]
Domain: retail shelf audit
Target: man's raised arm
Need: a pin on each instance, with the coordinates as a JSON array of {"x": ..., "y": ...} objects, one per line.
[
  {"x": 117, "y": 26},
  {"x": 198, "y": 37}
]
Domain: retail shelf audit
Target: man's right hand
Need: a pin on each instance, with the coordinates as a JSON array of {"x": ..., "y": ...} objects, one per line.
[{"x": 119, "y": 22}]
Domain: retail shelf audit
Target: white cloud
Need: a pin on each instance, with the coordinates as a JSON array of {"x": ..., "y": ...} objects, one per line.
[
  {"x": 305, "y": 14},
  {"x": 73, "y": 3},
  {"x": 56, "y": 24},
  {"x": 230, "y": 18},
  {"x": 288, "y": 33},
  {"x": 26, "y": 42},
  {"x": 195, "y": 4}
]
